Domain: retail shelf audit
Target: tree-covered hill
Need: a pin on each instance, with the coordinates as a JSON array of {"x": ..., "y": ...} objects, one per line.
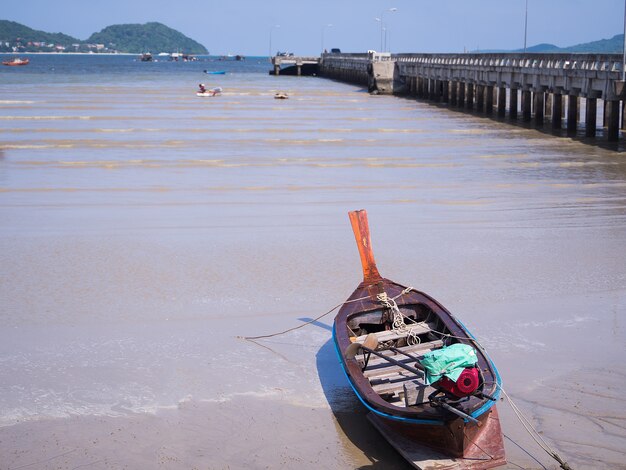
[
  {"x": 133, "y": 38},
  {"x": 614, "y": 45},
  {"x": 150, "y": 37},
  {"x": 12, "y": 33}
]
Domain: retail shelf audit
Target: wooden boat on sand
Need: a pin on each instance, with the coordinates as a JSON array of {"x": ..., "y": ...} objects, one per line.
[{"x": 388, "y": 337}]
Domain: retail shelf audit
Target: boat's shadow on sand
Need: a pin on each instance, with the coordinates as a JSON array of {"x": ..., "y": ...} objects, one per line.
[{"x": 350, "y": 414}]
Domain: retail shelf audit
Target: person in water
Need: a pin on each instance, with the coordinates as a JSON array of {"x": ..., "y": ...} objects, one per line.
[{"x": 202, "y": 88}]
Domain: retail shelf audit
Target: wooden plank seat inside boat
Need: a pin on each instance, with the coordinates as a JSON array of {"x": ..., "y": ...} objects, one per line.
[
  {"x": 389, "y": 335},
  {"x": 395, "y": 384},
  {"x": 405, "y": 390},
  {"x": 375, "y": 364}
]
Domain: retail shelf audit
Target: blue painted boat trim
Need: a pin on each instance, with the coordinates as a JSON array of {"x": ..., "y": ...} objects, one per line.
[
  {"x": 380, "y": 413},
  {"x": 480, "y": 411}
]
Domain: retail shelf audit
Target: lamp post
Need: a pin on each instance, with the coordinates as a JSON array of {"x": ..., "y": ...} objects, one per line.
[
  {"x": 270, "y": 50},
  {"x": 386, "y": 44},
  {"x": 324, "y": 29},
  {"x": 382, "y": 13},
  {"x": 525, "y": 25},
  {"x": 624, "y": 51}
]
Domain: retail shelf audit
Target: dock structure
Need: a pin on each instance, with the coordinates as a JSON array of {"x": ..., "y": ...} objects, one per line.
[
  {"x": 540, "y": 88},
  {"x": 301, "y": 64}
]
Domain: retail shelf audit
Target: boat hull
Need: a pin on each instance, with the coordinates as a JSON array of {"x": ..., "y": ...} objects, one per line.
[
  {"x": 421, "y": 446},
  {"x": 16, "y": 62},
  {"x": 383, "y": 334},
  {"x": 427, "y": 426}
]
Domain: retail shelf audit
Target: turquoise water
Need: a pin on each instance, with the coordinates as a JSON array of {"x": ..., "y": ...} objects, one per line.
[{"x": 143, "y": 228}]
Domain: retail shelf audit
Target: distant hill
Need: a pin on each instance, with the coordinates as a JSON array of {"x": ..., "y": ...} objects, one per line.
[
  {"x": 13, "y": 33},
  {"x": 543, "y": 48},
  {"x": 132, "y": 38},
  {"x": 614, "y": 45},
  {"x": 149, "y": 37}
]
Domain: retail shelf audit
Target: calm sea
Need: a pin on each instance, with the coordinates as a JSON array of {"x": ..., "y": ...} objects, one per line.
[{"x": 143, "y": 228}]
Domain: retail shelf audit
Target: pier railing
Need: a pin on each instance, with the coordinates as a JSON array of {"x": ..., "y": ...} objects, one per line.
[
  {"x": 586, "y": 75},
  {"x": 536, "y": 85}
]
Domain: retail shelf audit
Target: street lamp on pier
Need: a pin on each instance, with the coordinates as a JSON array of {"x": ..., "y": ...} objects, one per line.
[
  {"x": 270, "y": 50},
  {"x": 380, "y": 19},
  {"x": 525, "y": 25},
  {"x": 323, "y": 30},
  {"x": 624, "y": 51}
]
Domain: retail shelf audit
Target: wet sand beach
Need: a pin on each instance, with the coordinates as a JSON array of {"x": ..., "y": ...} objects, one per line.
[{"x": 145, "y": 230}]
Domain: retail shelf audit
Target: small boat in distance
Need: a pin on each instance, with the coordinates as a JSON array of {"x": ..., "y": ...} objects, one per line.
[
  {"x": 429, "y": 385},
  {"x": 146, "y": 57},
  {"x": 281, "y": 95},
  {"x": 215, "y": 72},
  {"x": 16, "y": 61}
]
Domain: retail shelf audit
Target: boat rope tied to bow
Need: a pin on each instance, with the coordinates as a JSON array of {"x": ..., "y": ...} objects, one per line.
[
  {"x": 398, "y": 323},
  {"x": 304, "y": 324}
]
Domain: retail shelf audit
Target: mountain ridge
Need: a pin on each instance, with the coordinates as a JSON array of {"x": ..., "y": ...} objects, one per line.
[
  {"x": 126, "y": 38},
  {"x": 612, "y": 45},
  {"x": 156, "y": 37}
]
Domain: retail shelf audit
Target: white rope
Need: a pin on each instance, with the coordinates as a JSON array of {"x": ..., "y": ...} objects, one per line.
[
  {"x": 398, "y": 323},
  {"x": 304, "y": 324},
  {"x": 532, "y": 431}
]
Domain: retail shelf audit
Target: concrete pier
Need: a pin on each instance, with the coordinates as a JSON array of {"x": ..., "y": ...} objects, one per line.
[
  {"x": 295, "y": 65},
  {"x": 543, "y": 88}
]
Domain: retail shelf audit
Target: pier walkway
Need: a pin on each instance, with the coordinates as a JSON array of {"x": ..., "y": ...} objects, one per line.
[{"x": 549, "y": 89}]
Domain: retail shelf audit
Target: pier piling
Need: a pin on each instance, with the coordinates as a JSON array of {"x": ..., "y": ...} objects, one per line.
[
  {"x": 557, "y": 110},
  {"x": 536, "y": 88}
]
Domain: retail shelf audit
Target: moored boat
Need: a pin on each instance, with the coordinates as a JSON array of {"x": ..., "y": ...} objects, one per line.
[
  {"x": 430, "y": 387},
  {"x": 16, "y": 61}
]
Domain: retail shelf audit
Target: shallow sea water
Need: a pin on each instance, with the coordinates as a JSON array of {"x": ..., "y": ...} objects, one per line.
[{"x": 143, "y": 230}]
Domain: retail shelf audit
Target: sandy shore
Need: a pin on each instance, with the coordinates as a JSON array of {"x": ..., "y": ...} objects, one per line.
[
  {"x": 245, "y": 432},
  {"x": 144, "y": 230}
]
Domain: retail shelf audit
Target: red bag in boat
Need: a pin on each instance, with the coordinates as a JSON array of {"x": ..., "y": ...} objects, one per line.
[{"x": 466, "y": 384}]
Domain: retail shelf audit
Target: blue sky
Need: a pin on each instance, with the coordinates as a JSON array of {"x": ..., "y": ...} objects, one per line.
[{"x": 246, "y": 26}]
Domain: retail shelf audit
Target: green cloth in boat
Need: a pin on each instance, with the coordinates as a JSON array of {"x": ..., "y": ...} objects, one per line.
[{"x": 449, "y": 361}]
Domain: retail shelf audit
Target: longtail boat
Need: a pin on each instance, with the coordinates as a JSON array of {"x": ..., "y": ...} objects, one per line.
[
  {"x": 384, "y": 333},
  {"x": 16, "y": 61}
]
